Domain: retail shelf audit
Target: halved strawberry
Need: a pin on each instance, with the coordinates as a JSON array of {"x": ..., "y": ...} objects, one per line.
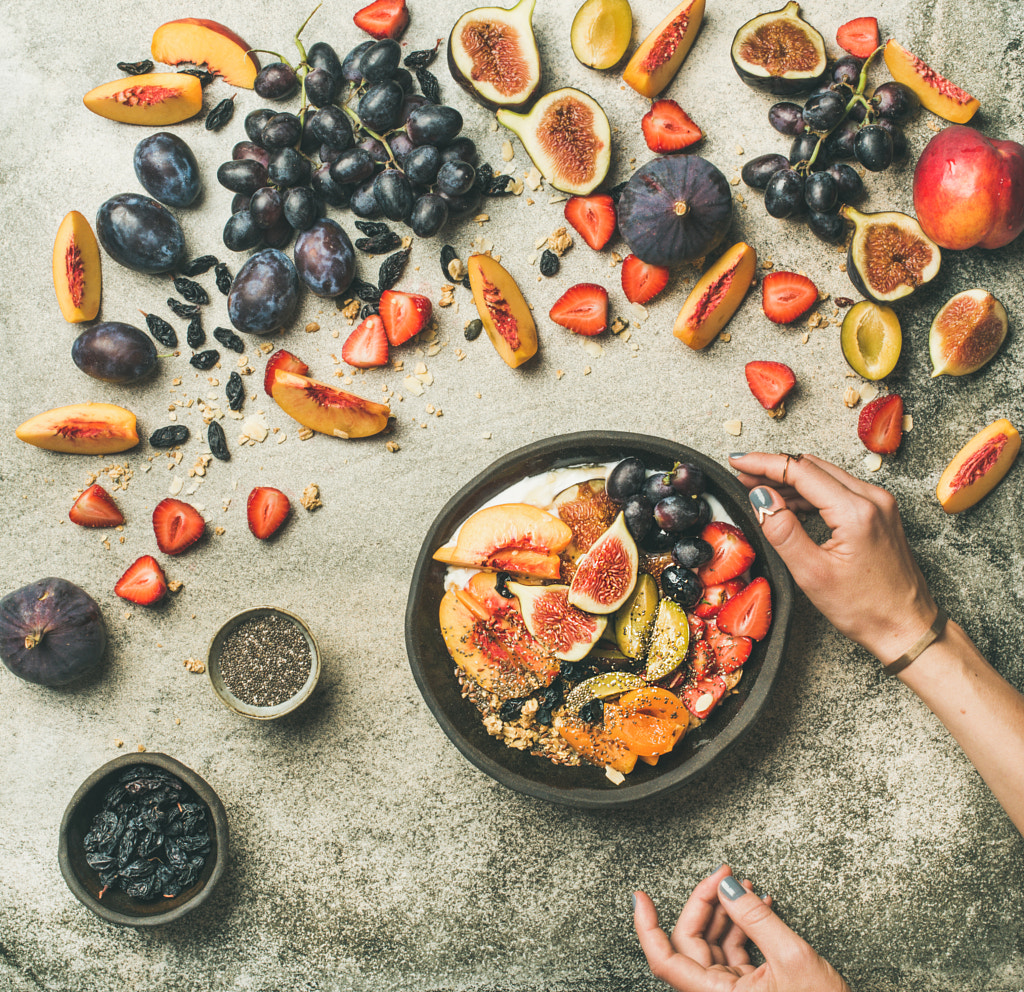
[
  {"x": 880, "y": 426},
  {"x": 266, "y": 509},
  {"x": 703, "y": 697},
  {"x": 282, "y": 359},
  {"x": 96, "y": 508},
  {"x": 640, "y": 281},
  {"x": 859, "y": 37},
  {"x": 144, "y": 582},
  {"x": 593, "y": 217},
  {"x": 668, "y": 128},
  {"x": 715, "y": 597},
  {"x": 749, "y": 612},
  {"x": 770, "y": 382},
  {"x": 404, "y": 314},
  {"x": 696, "y": 627},
  {"x": 582, "y": 308},
  {"x": 367, "y": 346},
  {"x": 733, "y": 553},
  {"x": 383, "y": 18},
  {"x": 177, "y": 526},
  {"x": 702, "y": 658},
  {"x": 730, "y": 651},
  {"x": 785, "y": 296}
]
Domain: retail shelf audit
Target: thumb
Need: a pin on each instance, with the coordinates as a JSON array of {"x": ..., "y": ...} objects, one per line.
[
  {"x": 786, "y": 534},
  {"x": 757, "y": 920}
]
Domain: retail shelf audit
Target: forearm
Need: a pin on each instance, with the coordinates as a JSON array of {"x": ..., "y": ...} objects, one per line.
[{"x": 983, "y": 712}]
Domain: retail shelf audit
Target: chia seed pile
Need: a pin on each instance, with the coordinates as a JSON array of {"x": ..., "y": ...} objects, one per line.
[{"x": 265, "y": 661}]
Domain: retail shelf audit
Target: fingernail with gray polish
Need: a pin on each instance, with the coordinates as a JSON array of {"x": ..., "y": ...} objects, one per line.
[
  {"x": 730, "y": 888},
  {"x": 634, "y": 902},
  {"x": 738, "y": 454},
  {"x": 760, "y": 498}
]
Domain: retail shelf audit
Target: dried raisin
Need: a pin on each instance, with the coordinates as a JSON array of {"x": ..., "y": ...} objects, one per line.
[
  {"x": 616, "y": 191},
  {"x": 199, "y": 265},
  {"x": 192, "y": 291},
  {"x": 235, "y": 391},
  {"x": 549, "y": 264},
  {"x": 223, "y": 278},
  {"x": 161, "y": 330},
  {"x": 204, "y": 360},
  {"x": 365, "y": 291},
  {"x": 195, "y": 335},
  {"x": 421, "y": 59},
  {"x": 168, "y": 437},
  {"x": 380, "y": 244},
  {"x": 218, "y": 442},
  {"x": 136, "y": 68},
  {"x": 229, "y": 339},
  {"x": 221, "y": 114},
  {"x": 428, "y": 85},
  {"x": 184, "y": 310},
  {"x": 367, "y": 310},
  {"x": 371, "y": 228},
  {"x": 391, "y": 269},
  {"x": 498, "y": 186},
  {"x": 204, "y": 77}
]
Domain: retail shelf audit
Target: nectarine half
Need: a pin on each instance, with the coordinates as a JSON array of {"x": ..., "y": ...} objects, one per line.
[{"x": 195, "y": 39}]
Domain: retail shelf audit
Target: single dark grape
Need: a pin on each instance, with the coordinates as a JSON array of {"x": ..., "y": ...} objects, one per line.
[
  {"x": 363, "y": 203},
  {"x": 847, "y": 70},
  {"x": 687, "y": 479},
  {"x": 240, "y": 201},
  {"x": 249, "y": 149},
  {"x": 849, "y": 183},
  {"x": 404, "y": 78},
  {"x": 422, "y": 163},
  {"x": 455, "y": 178},
  {"x": 410, "y": 103},
  {"x": 241, "y": 232},
  {"x": 242, "y": 176},
  {"x": 703, "y": 512},
  {"x": 352, "y": 166},
  {"x": 692, "y": 552},
  {"x": 839, "y": 144},
  {"x": 327, "y": 155},
  {"x": 676, "y": 513},
  {"x": 279, "y": 235},
  {"x": 379, "y": 106},
  {"x": 638, "y": 513},
  {"x": 658, "y": 539},
  {"x": 681, "y": 586},
  {"x": 289, "y": 167},
  {"x": 899, "y": 139},
  {"x": 376, "y": 149},
  {"x": 276, "y": 81},
  {"x": 858, "y": 112},
  {"x": 281, "y": 131},
  {"x": 656, "y": 487},
  {"x": 461, "y": 149},
  {"x": 301, "y": 207},
  {"x": 824, "y": 112},
  {"x": 336, "y": 194},
  {"x": 266, "y": 207},
  {"x": 321, "y": 87},
  {"x": 625, "y": 479},
  {"x": 430, "y": 125},
  {"x": 820, "y": 191},
  {"x": 320, "y": 55},
  {"x": 309, "y": 143},
  {"x": 255, "y": 121},
  {"x": 894, "y": 101},
  {"x": 874, "y": 147},
  {"x": 758, "y": 171},
  {"x": 350, "y": 67},
  {"x": 787, "y": 118},
  {"x": 394, "y": 194},
  {"x": 827, "y": 226},
  {"x": 380, "y": 60},
  {"x": 459, "y": 205},
  {"x": 803, "y": 148},
  {"x": 784, "y": 194},
  {"x": 400, "y": 145},
  {"x": 429, "y": 214}
]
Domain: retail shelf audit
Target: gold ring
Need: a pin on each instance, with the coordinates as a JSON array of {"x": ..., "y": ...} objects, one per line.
[{"x": 785, "y": 469}]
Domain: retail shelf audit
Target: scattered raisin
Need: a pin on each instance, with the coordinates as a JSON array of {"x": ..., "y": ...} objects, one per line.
[
  {"x": 367, "y": 310},
  {"x": 192, "y": 291},
  {"x": 616, "y": 191},
  {"x": 199, "y": 265},
  {"x": 371, "y": 228},
  {"x": 229, "y": 339},
  {"x": 498, "y": 186},
  {"x": 429, "y": 86},
  {"x": 204, "y": 77},
  {"x": 592, "y": 712},
  {"x": 511, "y": 709},
  {"x": 365, "y": 291},
  {"x": 223, "y": 278},
  {"x": 183, "y": 310},
  {"x": 195, "y": 335},
  {"x": 843, "y": 301},
  {"x": 168, "y": 437},
  {"x": 136, "y": 68},
  {"x": 235, "y": 391},
  {"x": 221, "y": 114},
  {"x": 204, "y": 360},
  {"x": 473, "y": 329},
  {"x": 391, "y": 269},
  {"x": 161, "y": 330},
  {"x": 549, "y": 264},
  {"x": 484, "y": 175},
  {"x": 380, "y": 244},
  {"x": 218, "y": 442},
  {"x": 421, "y": 59}
]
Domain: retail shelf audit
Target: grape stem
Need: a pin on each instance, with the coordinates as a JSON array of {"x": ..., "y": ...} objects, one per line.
[
  {"x": 298, "y": 43},
  {"x": 373, "y": 134},
  {"x": 267, "y": 51}
]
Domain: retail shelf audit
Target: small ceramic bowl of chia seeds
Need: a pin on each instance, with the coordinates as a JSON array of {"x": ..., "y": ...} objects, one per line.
[{"x": 263, "y": 663}]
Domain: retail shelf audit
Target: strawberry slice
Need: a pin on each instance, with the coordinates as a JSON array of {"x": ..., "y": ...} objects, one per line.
[
  {"x": 593, "y": 217},
  {"x": 266, "y": 509},
  {"x": 715, "y": 597},
  {"x": 96, "y": 508},
  {"x": 177, "y": 526},
  {"x": 383, "y": 18},
  {"x": 668, "y": 128},
  {"x": 282, "y": 359},
  {"x": 582, "y": 308},
  {"x": 880, "y": 426},
  {"x": 749, "y": 612},
  {"x": 859, "y": 37},
  {"x": 144, "y": 582},
  {"x": 404, "y": 314},
  {"x": 786, "y": 296},
  {"x": 367, "y": 346},
  {"x": 703, "y": 697},
  {"x": 696, "y": 627},
  {"x": 702, "y": 658},
  {"x": 730, "y": 652},
  {"x": 732, "y": 556},
  {"x": 640, "y": 281},
  {"x": 770, "y": 382}
]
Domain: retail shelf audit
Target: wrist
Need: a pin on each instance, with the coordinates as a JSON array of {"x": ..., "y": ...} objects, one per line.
[{"x": 919, "y": 646}]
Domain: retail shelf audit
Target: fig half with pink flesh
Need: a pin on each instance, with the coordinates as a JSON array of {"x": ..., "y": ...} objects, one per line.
[
  {"x": 607, "y": 572},
  {"x": 966, "y": 333},
  {"x": 567, "y": 632}
]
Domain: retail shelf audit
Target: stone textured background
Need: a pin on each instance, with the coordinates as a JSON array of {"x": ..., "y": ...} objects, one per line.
[{"x": 367, "y": 854}]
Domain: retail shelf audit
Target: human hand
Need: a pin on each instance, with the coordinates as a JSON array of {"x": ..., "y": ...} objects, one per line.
[
  {"x": 707, "y": 950},
  {"x": 863, "y": 578}
]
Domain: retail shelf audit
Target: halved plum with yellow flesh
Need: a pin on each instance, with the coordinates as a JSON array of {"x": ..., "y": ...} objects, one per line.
[
  {"x": 510, "y": 537},
  {"x": 660, "y": 55},
  {"x": 325, "y": 409},
  {"x": 487, "y": 638},
  {"x": 716, "y": 297},
  {"x": 978, "y": 467},
  {"x": 82, "y": 429},
  {"x": 76, "y": 269},
  {"x": 505, "y": 314},
  {"x": 153, "y": 99}
]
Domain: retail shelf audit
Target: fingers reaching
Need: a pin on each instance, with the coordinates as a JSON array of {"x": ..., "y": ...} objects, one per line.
[{"x": 663, "y": 959}]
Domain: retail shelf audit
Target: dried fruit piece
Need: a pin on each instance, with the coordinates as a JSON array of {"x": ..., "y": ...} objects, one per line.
[
  {"x": 76, "y": 269},
  {"x": 169, "y": 437},
  {"x": 770, "y": 382},
  {"x": 505, "y": 314},
  {"x": 235, "y": 392},
  {"x": 198, "y": 40},
  {"x": 936, "y": 93},
  {"x": 594, "y": 743},
  {"x": 568, "y": 137},
  {"x": 144, "y": 583},
  {"x": 966, "y": 333},
  {"x": 153, "y": 100},
  {"x": 582, "y": 308},
  {"x": 177, "y": 526},
  {"x": 593, "y": 217},
  {"x": 668, "y": 128},
  {"x": 787, "y": 296},
  {"x": 217, "y": 441},
  {"x": 567, "y": 632},
  {"x": 205, "y": 360},
  {"x": 859, "y": 37},
  {"x": 779, "y": 52},
  {"x": 716, "y": 297},
  {"x": 229, "y": 339},
  {"x": 649, "y": 721},
  {"x": 96, "y": 508},
  {"x": 82, "y": 429},
  {"x": 978, "y": 467},
  {"x": 601, "y": 31},
  {"x": 607, "y": 573},
  {"x": 492, "y": 55},
  {"x": 880, "y": 426},
  {"x": 871, "y": 339},
  {"x": 191, "y": 291},
  {"x": 661, "y": 53}
]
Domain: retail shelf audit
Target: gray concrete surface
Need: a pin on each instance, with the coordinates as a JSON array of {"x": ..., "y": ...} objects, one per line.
[{"x": 367, "y": 854}]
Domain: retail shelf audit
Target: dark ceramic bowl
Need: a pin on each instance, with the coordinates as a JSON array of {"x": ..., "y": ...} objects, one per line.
[
  {"x": 116, "y": 907},
  {"x": 587, "y": 787}
]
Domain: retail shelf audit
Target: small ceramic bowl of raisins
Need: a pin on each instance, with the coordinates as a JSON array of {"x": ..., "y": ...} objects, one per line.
[{"x": 143, "y": 841}]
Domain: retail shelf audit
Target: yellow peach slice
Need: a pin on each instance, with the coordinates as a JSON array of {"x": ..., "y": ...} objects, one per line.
[
  {"x": 195, "y": 39},
  {"x": 505, "y": 314},
  {"x": 325, "y": 409},
  {"x": 936, "y": 93},
  {"x": 153, "y": 99},
  {"x": 660, "y": 55},
  {"x": 82, "y": 429},
  {"x": 716, "y": 297},
  {"x": 978, "y": 467},
  {"x": 76, "y": 269}
]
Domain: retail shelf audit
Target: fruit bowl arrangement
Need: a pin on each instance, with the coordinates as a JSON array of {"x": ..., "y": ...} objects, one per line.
[{"x": 586, "y": 786}]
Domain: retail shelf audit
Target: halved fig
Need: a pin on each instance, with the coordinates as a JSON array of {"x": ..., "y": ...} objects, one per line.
[
  {"x": 327, "y": 410},
  {"x": 978, "y": 466},
  {"x": 966, "y": 333},
  {"x": 567, "y": 632},
  {"x": 716, "y": 297},
  {"x": 779, "y": 52},
  {"x": 670, "y": 640},
  {"x": 634, "y": 620},
  {"x": 505, "y": 314},
  {"x": 153, "y": 99},
  {"x": 604, "y": 686},
  {"x": 889, "y": 255},
  {"x": 872, "y": 339},
  {"x": 568, "y": 137},
  {"x": 82, "y": 429},
  {"x": 493, "y": 56},
  {"x": 589, "y": 511},
  {"x": 488, "y": 640},
  {"x": 657, "y": 60},
  {"x": 936, "y": 93},
  {"x": 510, "y": 537},
  {"x": 601, "y": 31},
  {"x": 76, "y": 269},
  {"x": 607, "y": 572}
]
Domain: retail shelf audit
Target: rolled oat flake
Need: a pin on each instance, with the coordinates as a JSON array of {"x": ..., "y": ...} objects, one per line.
[{"x": 265, "y": 661}]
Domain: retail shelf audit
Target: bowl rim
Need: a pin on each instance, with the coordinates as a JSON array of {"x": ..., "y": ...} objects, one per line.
[
  {"x": 239, "y": 706},
  {"x": 576, "y": 449},
  {"x": 198, "y": 785}
]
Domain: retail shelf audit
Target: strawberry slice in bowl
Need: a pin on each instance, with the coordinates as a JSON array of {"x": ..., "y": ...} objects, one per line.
[
  {"x": 732, "y": 555},
  {"x": 749, "y": 612}
]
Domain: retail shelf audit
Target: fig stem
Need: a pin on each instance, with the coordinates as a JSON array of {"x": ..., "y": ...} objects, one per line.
[
  {"x": 373, "y": 134},
  {"x": 680, "y": 208},
  {"x": 32, "y": 640}
]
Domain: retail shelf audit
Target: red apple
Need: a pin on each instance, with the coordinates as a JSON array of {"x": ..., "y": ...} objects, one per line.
[{"x": 969, "y": 189}]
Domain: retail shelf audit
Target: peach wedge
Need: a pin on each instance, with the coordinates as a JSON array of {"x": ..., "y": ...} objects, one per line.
[
  {"x": 325, "y": 409},
  {"x": 152, "y": 100},
  {"x": 505, "y": 314},
  {"x": 657, "y": 60},
  {"x": 76, "y": 269},
  {"x": 716, "y": 297},
  {"x": 82, "y": 429},
  {"x": 978, "y": 467},
  {"x": 195, "y": 39}
]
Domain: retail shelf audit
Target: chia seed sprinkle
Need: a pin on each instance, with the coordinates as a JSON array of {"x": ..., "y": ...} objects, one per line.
[{"x": 265, "y": 661}]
